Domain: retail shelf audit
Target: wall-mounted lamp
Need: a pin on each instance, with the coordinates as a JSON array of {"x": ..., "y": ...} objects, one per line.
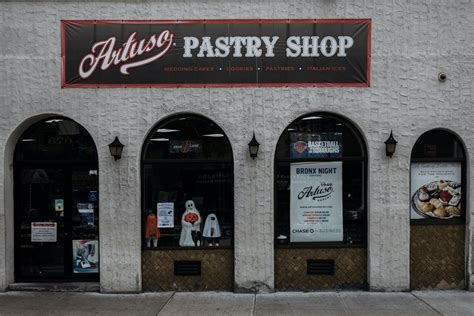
[
  {"x": 390, "y": 145},
  {"x": 253, "y": 147},
  {"x": 116, "y": 148}
]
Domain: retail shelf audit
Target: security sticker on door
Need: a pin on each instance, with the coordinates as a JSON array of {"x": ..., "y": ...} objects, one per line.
[{"x": 44, "y": 232}]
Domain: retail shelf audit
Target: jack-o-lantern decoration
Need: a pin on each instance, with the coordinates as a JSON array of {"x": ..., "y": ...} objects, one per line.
[{"x": 191, "y": 218}]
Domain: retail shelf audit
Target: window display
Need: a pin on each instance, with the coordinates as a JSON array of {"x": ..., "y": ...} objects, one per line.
[
  {"x": 320, "y": 183},
  {"x": 187, "y": 178}
]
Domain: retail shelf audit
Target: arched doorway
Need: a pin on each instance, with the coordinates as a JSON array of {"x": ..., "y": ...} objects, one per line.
[
  {"x": 187, "y": 206},
  {"x": 320, "y": 205},
  {"x": 438, "y": 211},
  {"x": 56, "y": 206}
]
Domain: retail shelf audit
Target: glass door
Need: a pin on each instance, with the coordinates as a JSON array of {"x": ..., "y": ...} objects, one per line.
[
  {"x": 56, "y": 223},
  {"x": 40, "y": 208}
]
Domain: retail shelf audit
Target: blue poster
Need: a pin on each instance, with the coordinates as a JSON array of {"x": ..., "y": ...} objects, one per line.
[{"x": 86, "y": 211}]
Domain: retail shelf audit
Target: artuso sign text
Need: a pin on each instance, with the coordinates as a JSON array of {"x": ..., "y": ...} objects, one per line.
[{"x": 215, "y": 53}]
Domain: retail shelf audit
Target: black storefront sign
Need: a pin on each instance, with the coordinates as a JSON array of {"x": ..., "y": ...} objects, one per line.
[{"x": 213, "y": 53}]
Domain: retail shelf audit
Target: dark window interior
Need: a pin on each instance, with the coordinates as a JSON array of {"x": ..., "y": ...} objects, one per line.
[
  {"x": 188, "y": 157},
  {"x": 187, "y": 137},
  {"x": 437, "y": 144},
  {"x": 354, "y": 166},
  {"x": 57, "y": 139}
]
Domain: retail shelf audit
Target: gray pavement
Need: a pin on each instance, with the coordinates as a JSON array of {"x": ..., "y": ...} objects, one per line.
[{"x": 224, "y": 303}]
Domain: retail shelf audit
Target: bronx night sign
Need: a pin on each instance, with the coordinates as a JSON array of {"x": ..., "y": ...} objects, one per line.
[{"x": 215, "y": 53}]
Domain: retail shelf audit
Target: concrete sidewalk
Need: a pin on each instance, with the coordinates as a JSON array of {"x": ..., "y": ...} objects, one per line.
[{"x": 223, "y": 303}]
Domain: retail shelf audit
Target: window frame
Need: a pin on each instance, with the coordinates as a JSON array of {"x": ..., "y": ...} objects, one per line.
[
  {"x": 178, "y": 161},
  {"x": 363, "y": 159},
  {"x": 437, "y": 221},
  {"x": 69, "y": 165}
]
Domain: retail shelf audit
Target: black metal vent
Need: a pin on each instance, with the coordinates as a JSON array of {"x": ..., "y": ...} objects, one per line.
[
  {"x": 326, "y": 267},
  {"x": 187, "y": 268}
]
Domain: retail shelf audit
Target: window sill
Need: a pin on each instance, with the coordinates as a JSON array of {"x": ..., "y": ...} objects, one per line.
[
  {"x": 434, "y": 221},
  {"x": 317, "y": 245}
]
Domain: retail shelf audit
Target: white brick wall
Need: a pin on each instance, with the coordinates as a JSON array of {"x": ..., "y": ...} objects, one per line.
[{"x": 411, "y": 42}]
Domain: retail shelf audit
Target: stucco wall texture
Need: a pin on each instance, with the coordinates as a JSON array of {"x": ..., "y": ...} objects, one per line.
[{"x": 412, "y": 41}]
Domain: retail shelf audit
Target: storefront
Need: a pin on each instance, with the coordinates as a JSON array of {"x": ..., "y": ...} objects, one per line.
[{"x": 321, "y": 202}]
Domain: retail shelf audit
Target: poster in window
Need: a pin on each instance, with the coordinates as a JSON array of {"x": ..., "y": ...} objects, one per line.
[
  {"x": 316, "y": 202},
  {"x": 436, "y": 190},
  {"x": 85, "y": 256},
  {"x": 315, "y": 145},
  {"x": 165, "y": 213},
  {"x": 86, "y": 212}
]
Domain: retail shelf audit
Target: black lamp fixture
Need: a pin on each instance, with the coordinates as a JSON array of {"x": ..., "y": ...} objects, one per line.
[
  {"x": 390, "y": 145},
  {"x": 116, "y": 148},
  {"x": 253, "y": 147}
]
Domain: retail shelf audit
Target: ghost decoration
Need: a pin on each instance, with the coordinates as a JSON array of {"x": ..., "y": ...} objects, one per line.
[
  {"x": 190, "y": 226},
  {"x": 212, "y": 230}
]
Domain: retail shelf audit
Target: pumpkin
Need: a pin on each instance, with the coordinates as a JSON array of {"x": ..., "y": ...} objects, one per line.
[{"x": 191, "y": 218}]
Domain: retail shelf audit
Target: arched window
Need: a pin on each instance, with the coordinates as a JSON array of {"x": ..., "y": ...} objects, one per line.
[
  {"x": 320, "y": 183},
  {"x": 187, "y": 158},
  {"x": 438, "y": 212},
  {"x": 58, "y": 139},
  {"x": 56, "y": 203},
  {"x": 437, "y": 178}
]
